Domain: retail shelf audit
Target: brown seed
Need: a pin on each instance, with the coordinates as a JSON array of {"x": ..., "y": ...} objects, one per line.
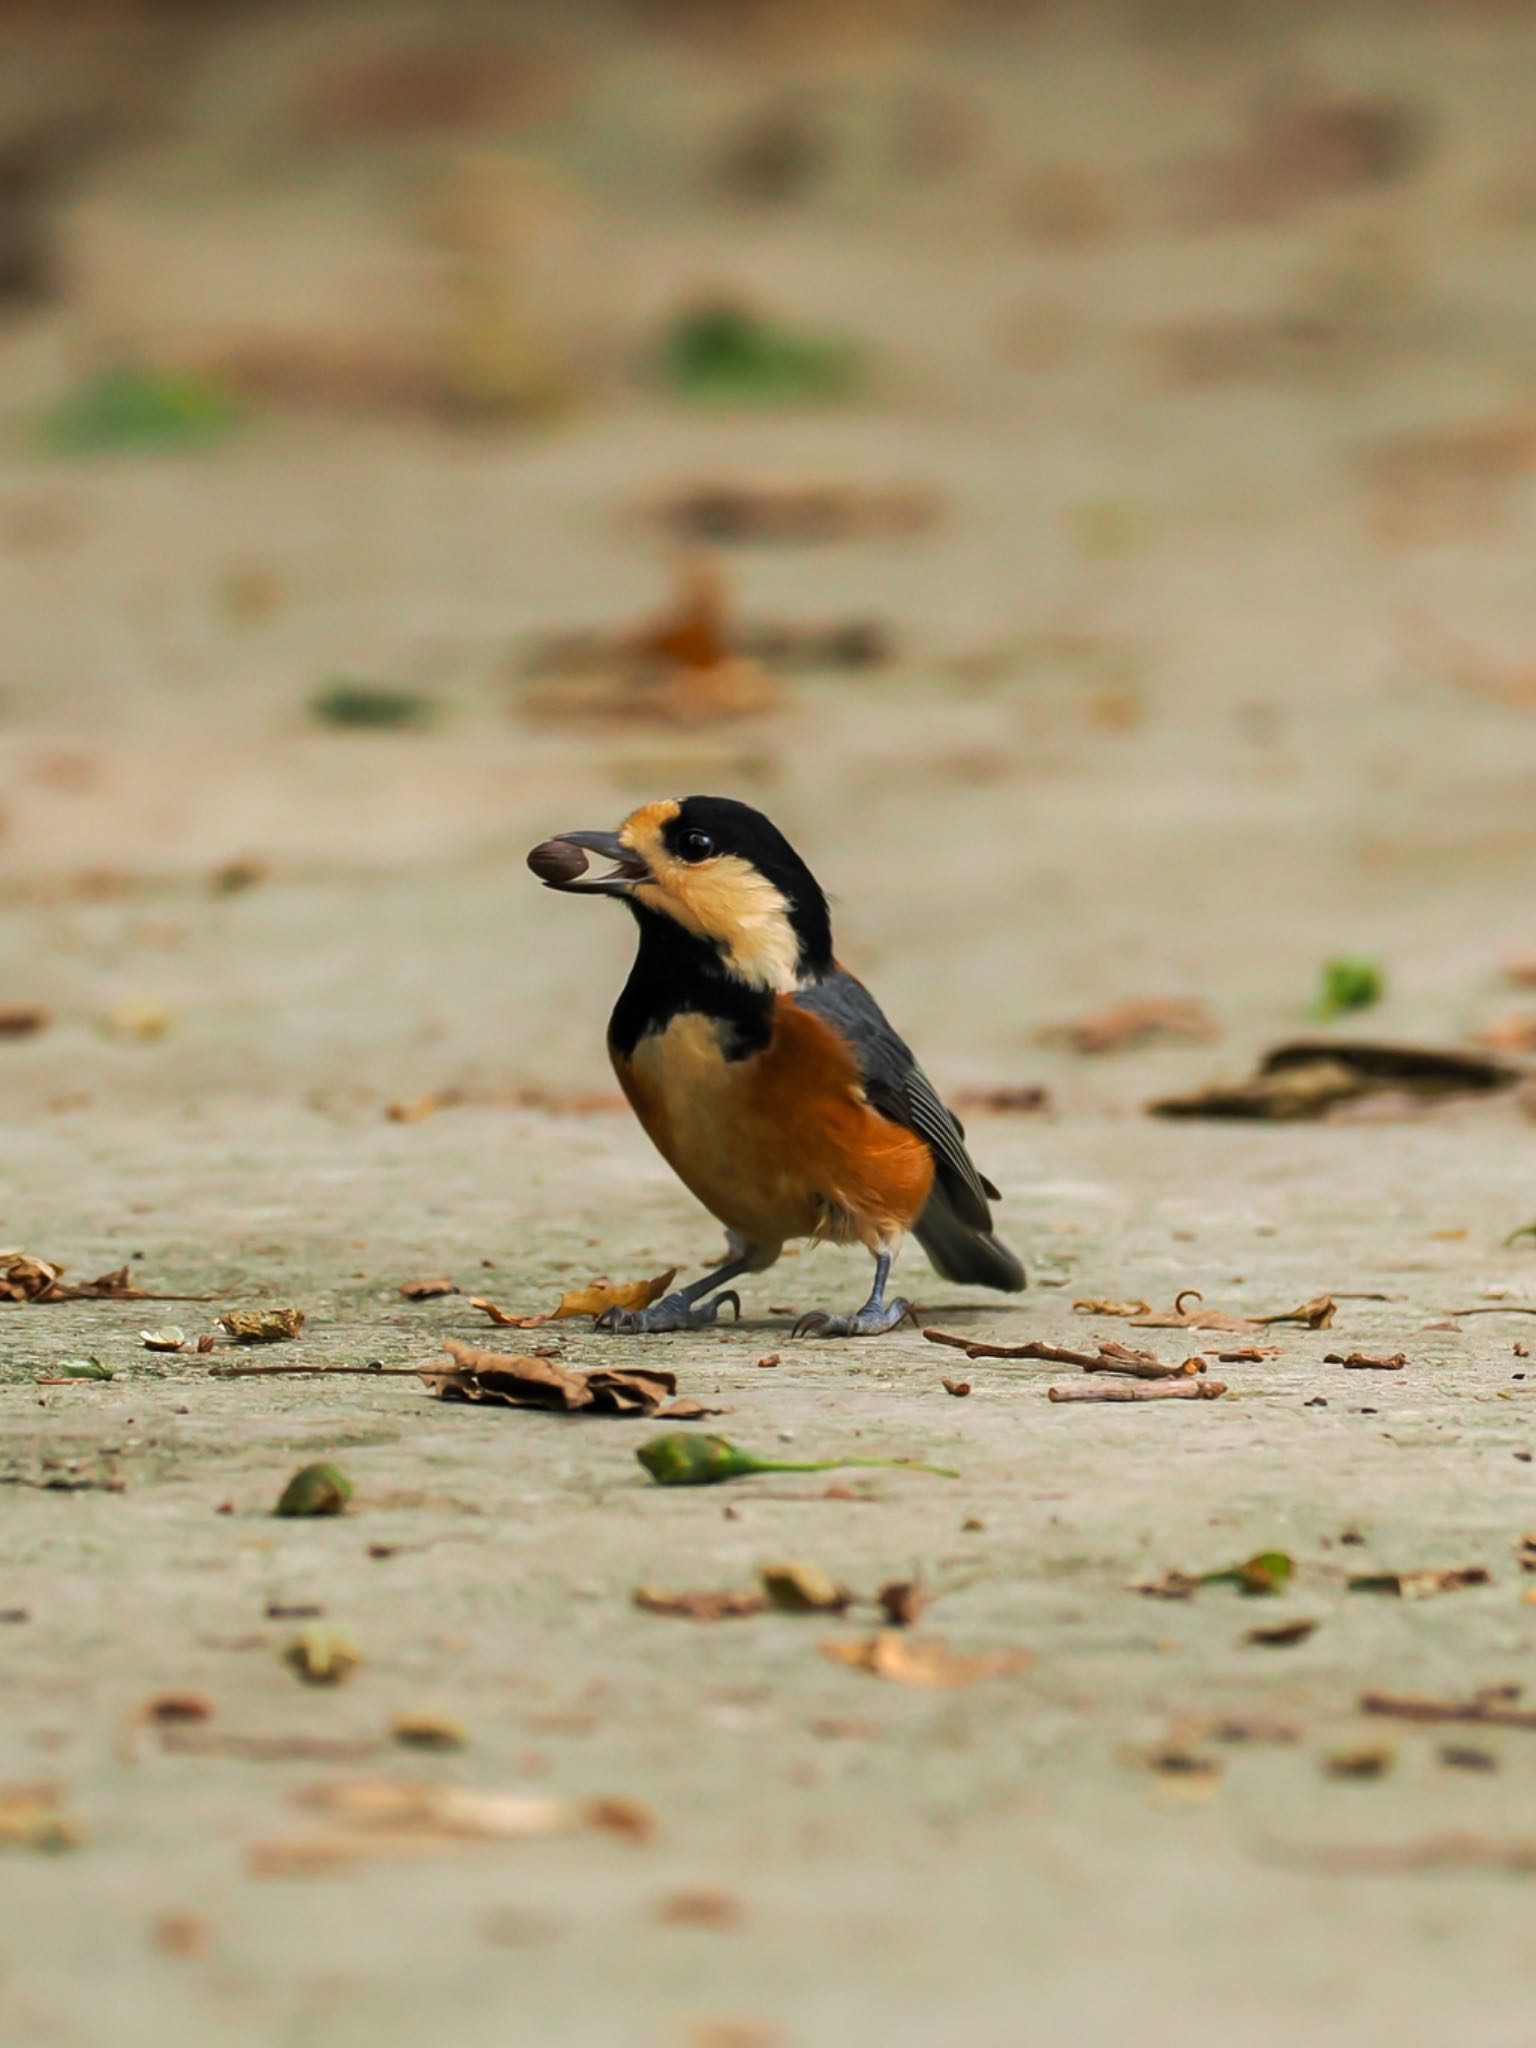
[{"x": 557, "y": 860}]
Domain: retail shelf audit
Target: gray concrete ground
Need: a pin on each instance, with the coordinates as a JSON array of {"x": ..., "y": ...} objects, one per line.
[{"x": 1173, "y": 714}]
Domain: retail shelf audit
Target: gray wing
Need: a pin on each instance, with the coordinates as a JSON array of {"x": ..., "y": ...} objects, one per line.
[{"x": 899, "y": 1089}]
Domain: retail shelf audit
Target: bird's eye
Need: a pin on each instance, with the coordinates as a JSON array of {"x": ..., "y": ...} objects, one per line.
[{"x": 694, "y": 845}]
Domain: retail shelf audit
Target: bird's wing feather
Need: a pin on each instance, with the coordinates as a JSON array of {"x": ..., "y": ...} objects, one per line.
[{"x": 899, "y": 1089}]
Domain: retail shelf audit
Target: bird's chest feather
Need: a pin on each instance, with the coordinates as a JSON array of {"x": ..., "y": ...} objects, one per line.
[{"x": 777, "y": 1141}]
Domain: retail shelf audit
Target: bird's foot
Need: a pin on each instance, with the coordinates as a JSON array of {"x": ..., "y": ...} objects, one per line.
[
  {"x": 672, "y": 1312},
  {"x": 872, "y": 1320}
]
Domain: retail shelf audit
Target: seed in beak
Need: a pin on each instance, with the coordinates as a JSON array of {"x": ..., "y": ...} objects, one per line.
[{"x": 557, "y": 860}]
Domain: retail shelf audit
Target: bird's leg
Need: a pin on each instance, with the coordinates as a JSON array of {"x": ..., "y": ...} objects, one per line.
[
  {"x": 685, "y": 1308},
  {"x": 876, "y": 1315}
]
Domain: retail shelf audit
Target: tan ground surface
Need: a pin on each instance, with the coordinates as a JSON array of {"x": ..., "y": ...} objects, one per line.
[{"x": 1180, "y": 708}]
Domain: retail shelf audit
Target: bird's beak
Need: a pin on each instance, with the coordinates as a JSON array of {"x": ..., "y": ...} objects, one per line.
[{"x": 629, "y": 868}]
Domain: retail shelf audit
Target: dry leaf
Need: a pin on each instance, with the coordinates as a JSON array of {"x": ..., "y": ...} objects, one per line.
[
  {"x": 171, "y": 1339},
  {"x": 1174, "y": 1760},
  {"x": 1311, "y": 1077},
  {"x": 701, "y": 1909},
  {"x": 733, "y": 1603},
  {"x": 1418, "y": 1585},
  {"x": 599, "y": 1296},
  {"x": 1364, "y": 1762},
  {"x": 720, "y": 513},
  {"x": 959, "y": 1388},
  {"x": 426, "y": 1729},
  {"x": 1357, "y": 1361},
  {"x": 503, "y": 1318},
  {"x": 24, "y": 1278},
  {"x": 132, "y": 1021},
  {"x": 321, "y": 1655},
  {"x": 1024, "y": 1100},
  {"x": 31, "y": 1817},
  {"x": 264, "y": 1326},
  {"x": 1093, "y": 1307},
  {"x": 1281, "y": 1634},
  {"x": 919, "y": 1661},
  {"x": 428, "y": 1290},
  {"x": 903, "y": 1601},
  {"x": 22, "y": 1020},
  {"x": 389, "y": 1818},
  {"x": 418, "y": 1109},
  {"x": 1135, "y": 1023},
  {"x": 802, "y": 1589},
  {"x": 528, "y": 1382},
  {"x": 168, "y": 1708},
  {"x": 1494, "y": 1707}
]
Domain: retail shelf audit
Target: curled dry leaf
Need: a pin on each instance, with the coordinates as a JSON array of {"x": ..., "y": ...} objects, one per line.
[
  {"x": 1317, "y": 1314},
  {"x": 170, "y": 1339},
  {"x": 264, "y": 1326},
  {"x": 920, "y": 1661},
  {"x": 1281, "y": 1634},
  {"x": 731, "y": 1603},
  {"x": 599, "y": 1296},
  {"x": 1310, "y": 1078},
  {"x": 959, "y": 1388},
  {"x": 1419, "y": 1585},
  {"x": 503, "y": 1318},
  {"x": 802, "y": 1589},
  {"x": 1357, "y": 1361},
  {"x": 321, "y": 1655},
  {"x": 1135, "y": 1023},
  {"x": 1094, "y": 1307},
  {"x": 511, "y": 1381},
  {"x": 430, "y": 1289},
  {"x": 24, "y": 1278}
]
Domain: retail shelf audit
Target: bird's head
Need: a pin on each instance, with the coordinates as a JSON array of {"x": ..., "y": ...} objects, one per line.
[{"x": 718, "y": 870}]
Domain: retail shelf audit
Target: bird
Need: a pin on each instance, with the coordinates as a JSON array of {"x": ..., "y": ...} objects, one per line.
[{"x": 766, "y": 1074}]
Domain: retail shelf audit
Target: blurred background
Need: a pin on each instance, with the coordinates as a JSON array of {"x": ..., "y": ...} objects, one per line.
[{"x": 1072, "y": 464}]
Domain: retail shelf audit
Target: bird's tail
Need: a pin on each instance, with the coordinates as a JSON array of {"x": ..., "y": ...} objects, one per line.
[{"x": 962, "y": 1253}]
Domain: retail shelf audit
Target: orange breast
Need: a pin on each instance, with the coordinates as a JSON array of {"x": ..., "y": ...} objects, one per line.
[{"x": 780, "y": 1144}]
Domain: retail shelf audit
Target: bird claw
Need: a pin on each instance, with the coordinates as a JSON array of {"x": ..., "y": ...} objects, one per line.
[
  {"x": 869, "y": 1321},
  {"x": 672, "y": 1312}
]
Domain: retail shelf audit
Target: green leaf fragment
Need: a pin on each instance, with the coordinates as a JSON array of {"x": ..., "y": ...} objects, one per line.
[
  {"x": 86, "y": 1369},
  {"x": 1267, "y": 1571},
  {"x": 371, "y": 707},
  {"x": 315, "y": 1490},
  {"x": 684, "y": 1460},
  {"x": 1350, "y": 983},
  {"x": 122, "y": 410},
  {"x": 723, "y": 353}
]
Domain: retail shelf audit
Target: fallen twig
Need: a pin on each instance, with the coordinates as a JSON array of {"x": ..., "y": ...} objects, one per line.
[
  {"x": 1482, "y": 1710},
  {"x": 1498, "y": 1308},
  {"x": 1181, "y": 1389},
  {"x": 1110, "y": 1357},
  {"x": 313, "y": 1372}
]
